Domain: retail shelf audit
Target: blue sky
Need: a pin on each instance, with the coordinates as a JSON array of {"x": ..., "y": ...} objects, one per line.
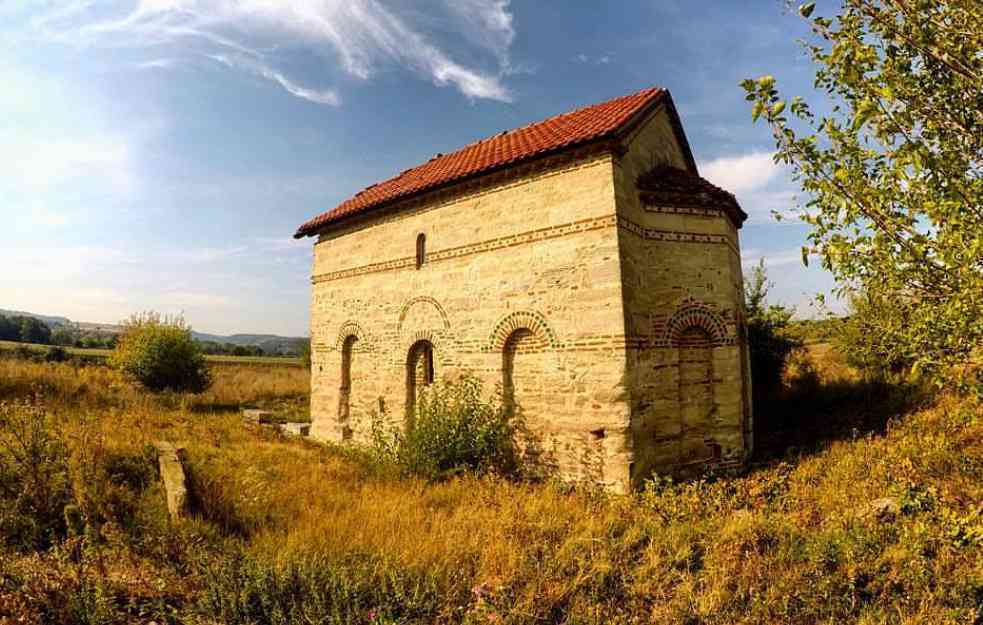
[{"x": 159, "y": 154}]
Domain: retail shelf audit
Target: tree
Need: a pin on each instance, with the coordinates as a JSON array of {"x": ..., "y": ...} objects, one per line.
[
  {"x": 769, "y": 348},
  {"x": 34, "y": 331},
  {"x": 304, "y": 352},
  {"x": 865, "y": 343},
  {"x": 892, "y": 173},
  {"x": 9, "y": 329},
  {"x": 159, "y": 353},
  {"x": 64, "y": 335}
]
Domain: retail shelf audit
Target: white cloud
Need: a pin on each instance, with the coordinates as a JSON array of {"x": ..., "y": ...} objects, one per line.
[
  {"x": 319, "y": 96},
  {"x": 364, "y": 36},
  {"x": 740, "y": 174},
  {"x": 763, "y": 188},
  {"x": 488, "y": 23}
]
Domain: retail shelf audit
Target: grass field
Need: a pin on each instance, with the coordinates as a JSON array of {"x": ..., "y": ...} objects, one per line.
[
  {"x": 863, "y": 505},
  {"x": 104, "y": 353}
]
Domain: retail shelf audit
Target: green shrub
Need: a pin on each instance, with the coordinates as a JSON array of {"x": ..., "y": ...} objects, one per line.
[
  {"x": 242, "y": 589},
  {"x": 56, "y": 353},
  {"x": 769, "y": 347},
  {"x": 870, "y": 337},
  {"x": 455, "y": 429},
  {"x": 34, "y": 484},
  {"x": 160, "y": 354}
]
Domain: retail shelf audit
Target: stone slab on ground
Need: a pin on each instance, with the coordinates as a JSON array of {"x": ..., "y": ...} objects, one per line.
[
  {"x": 172, "y": 474},
  {"x": 253, "y": 415},
  {"x": 296, "y": 429}
]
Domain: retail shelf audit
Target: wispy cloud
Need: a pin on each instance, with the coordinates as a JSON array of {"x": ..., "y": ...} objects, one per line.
[
  {"x": 157, "y": 64},
  {"x": 319, "y": 96},
  {"x": 586, "y": 59},
  {"x": 363, "y": 35}
]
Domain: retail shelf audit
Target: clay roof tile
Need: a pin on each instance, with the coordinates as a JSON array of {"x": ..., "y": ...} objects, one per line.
[{"x": 510, "y": 147}]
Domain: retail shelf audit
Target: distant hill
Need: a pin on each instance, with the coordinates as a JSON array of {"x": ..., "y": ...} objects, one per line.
[
  {"x": 48, "y": 319},
  {"x": 269, "y": 343}
]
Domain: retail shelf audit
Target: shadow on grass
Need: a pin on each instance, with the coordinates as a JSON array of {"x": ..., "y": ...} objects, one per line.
[{"x": 808, "y": 415}]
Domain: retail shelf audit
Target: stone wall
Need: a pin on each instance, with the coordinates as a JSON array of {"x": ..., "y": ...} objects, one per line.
[
  {"x": 613, "y": 326},
  {"x": 683, "y": 294},
  {"x": 520, "y": 286}
]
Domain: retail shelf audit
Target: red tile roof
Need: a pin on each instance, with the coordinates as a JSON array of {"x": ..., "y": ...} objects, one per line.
[{"x": 508, "y": 148}]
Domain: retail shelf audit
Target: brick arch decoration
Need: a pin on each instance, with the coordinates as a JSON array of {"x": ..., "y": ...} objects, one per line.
[
  {"x": 352, "y": 328},
  {"x": 697, "y": 314},
  {"x": 404, "y": 311},
  {"x": 533, "y": 321},
  {"x": 441, "y": 355}
]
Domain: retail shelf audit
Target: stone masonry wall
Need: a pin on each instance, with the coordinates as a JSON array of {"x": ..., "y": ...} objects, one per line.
[
  {"x": 521, "y": 286},
  {"x": 687, "y": 372},
  {"x": 615, "y": 327}
]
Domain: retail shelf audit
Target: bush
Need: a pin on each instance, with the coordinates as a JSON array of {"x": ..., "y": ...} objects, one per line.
[
  {"x": 160, "y": 354},
  {"x": 56, "y": 353},
  {"x": 869, "y": 338},
  {"x": 454, "y": 430},
  {"x": 241, "y": 589},
  {"x": 769, "y": 348},
  {"x": 34, "y": 482}
]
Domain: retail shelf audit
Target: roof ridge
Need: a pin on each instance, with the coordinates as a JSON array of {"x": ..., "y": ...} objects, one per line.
[{"x": 557, "y": 132}]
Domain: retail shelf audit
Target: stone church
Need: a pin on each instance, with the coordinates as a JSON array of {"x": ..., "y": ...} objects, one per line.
[{"x": 579, "y": 263}]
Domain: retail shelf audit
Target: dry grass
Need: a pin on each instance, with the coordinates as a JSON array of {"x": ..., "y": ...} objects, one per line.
[
  {"x": 72, "y": 387},
  {"x": 100, "y": 354},
  {"x": 293, "y": 528}
]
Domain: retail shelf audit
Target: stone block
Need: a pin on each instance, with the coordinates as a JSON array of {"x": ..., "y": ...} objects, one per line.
[
  {"x": 173, "y": 477},
  {"x": 296, "y": 429},
  {"x": 253, "y": 415}
]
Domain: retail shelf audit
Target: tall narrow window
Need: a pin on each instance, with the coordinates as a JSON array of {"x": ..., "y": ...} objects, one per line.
[
  {"x": 521, "y": 338},
  {"x": 345, "y": 388},
  {"x": 419, "y": 372},
  {"x": 421, "y": 249}
]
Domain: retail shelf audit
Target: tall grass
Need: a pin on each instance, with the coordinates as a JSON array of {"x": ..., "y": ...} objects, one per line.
[
  {"x": 72, "y": 387},
  {"x": 294, "y": 532}
]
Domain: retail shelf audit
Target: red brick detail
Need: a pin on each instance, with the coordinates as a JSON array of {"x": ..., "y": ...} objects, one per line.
[
  {"x": 348, "y": 329},
  {"x": 562, "y": 132},
  {"x": 434, "y": 338},
  {"x": 444, "y": 321},
  {"x": 543, "y": 335},
  {"x": 696, "y": 314}
]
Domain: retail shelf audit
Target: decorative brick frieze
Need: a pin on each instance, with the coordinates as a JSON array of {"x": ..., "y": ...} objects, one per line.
[{"x": 524, "y": 238}]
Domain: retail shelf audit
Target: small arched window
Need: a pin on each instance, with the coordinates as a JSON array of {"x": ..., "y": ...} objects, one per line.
[
  {"x": 419, "y": 373},
  {"x": 421, "y": 249}
]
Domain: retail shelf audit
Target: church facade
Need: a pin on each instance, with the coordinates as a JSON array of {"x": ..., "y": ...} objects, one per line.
[{"x": 579, "y": 263}]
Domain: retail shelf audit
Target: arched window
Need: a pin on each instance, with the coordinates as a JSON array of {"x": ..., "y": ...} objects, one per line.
[
  {"x": 517, "y": 341},
  {"x": 696, "y": 401},
  {"x": 421, "y": 249},
  {"x": 419, "y": 373},
  {"x": 345, "y": 388}
]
